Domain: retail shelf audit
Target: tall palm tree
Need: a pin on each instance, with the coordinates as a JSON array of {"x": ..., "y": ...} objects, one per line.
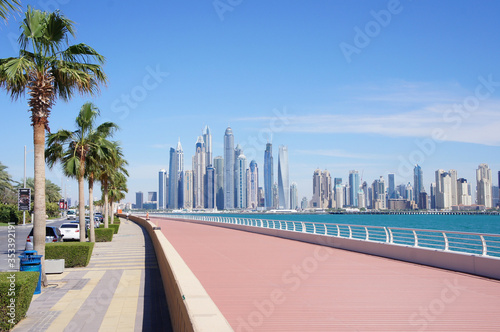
[
  {"x": 6, "y": 185},
  {"x": 48, "y": 68},
  {"x": 8, "y": 5},
  {"x": 72, "y": 148},
  {"x": 101, "y": 154},
  {"x": 107, "y": 174},
  {"x": 117, "y": 189}
]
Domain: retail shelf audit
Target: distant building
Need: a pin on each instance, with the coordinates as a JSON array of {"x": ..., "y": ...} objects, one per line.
[
  {"x": 294, "y": 196},
  {"x": 228, "y": 169},
  {"x": 283, "y": 179},
  {"x": 252, "y": 185},
  {"x": 391, "y": 189},
  {"x": 399, "y": 204},
  {"x": 152, "y": 196},
  {"x": 339, "y": 196},
  {"x": 209, "y": 198},
  {"x": 322, "y": 190},
  {"x": 176, "y": 178},
  {"x": 275, "y": 195},
  {"x": 162, "y": 189},
  {"x": 379, "y": 194},
  {"x": 150, "y": 206},
  {"x": 418, "y": 183},
  {"x": 484, "y": 186},
  {"x": 207, "y": 139},
  {"x": 219, "y": 182},
  {"x": 353, "y": 187},
  {"x": 423, "y": 201},
  {"x": 188, "y": 190},
  {"x": 433, "y": 196},
  {"x": 268, "y": 175},
  {"x": 463, "y": 196},
  {"x": 139, "y": 199},
  {"x": 303, "y": 203},
  {"x": 199, "y": 169},
  {"x": 443, "y": 190},
  {"x": 261, "y": 197},
  {"x": 241, "y": 182},
  {"x": 454, "y": 191}
]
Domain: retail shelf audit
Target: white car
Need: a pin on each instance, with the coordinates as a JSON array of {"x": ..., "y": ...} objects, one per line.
[{"x": 71, "y": 231}]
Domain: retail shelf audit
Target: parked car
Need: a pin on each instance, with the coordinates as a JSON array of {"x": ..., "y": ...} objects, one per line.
[
  {"x": 101, "y": 217},
  {"x": 71, "y": 231},
  {"x": 87, "y": 223},
  {"x": 52, "y": 234}
]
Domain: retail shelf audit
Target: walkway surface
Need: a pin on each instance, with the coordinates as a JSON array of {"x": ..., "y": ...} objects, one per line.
[
  {"x": 263, "y": 283},
  {"x": 120, "y": 290}
]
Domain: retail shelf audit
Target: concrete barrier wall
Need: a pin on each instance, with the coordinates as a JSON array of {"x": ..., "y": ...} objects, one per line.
[
  {"x": 484, "y": 266},
  {"x": 189, "y": 305}
]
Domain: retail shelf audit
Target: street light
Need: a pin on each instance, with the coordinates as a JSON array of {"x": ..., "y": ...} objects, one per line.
[{"x": 24, "y": 212}]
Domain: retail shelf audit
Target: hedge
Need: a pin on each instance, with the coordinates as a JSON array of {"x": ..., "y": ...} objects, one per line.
[
  {"x": 10, "y": 214},
  {"x": 17, "y": 290},
  {"x": 104, "y": 234},
  {"x": 115, "y": 227},
  {"x": 75, "y": 254}
]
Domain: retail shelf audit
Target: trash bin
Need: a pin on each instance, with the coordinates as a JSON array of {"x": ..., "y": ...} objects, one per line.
[{"x": 30, "y": 261}]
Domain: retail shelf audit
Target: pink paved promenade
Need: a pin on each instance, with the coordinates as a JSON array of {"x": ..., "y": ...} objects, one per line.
[{"x": 263, "y": 283}]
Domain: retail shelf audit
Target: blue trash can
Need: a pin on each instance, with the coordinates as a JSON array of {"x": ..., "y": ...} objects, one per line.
[{"x": 30, "y": 261}]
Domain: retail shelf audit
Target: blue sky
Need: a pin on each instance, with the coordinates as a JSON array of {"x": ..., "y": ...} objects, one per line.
[{"x": 368, "y": 85}]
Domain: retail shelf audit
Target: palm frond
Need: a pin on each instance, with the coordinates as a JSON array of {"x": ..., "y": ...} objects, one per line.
[{"x": 8, "y": 5}]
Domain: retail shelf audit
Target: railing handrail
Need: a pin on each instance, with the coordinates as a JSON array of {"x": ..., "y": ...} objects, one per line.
[{"x": 426, "y": 238}]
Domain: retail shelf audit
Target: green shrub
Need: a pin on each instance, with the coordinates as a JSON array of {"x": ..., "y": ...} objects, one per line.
[
  {"x": 17, "y": 292},
  {"x": 10, "y": 214},
  {"x": 104, "y": 234},
  {"x": 116, "y": 220},
  {"x": 115, "y": 227},
  {"x": 75, "y": 254}
]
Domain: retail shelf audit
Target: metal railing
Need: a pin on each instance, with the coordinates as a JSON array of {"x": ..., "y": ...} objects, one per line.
[{"x": 472, "y": 243}]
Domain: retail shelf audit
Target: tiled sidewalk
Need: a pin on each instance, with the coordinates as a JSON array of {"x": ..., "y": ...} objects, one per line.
[{"x": 120, "y": 290}]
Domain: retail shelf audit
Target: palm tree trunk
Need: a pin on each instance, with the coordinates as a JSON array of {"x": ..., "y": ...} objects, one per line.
[
  {"x": 39, "y": 201},
  {"x": 106, "y": 207},
  {"x": 91, "y": 208},
  {"x": 81, "y": 202},
  {"x": 111, "y": 216}
]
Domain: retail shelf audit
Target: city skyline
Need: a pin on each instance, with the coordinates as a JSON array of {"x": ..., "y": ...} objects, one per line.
[{"x": 407, "y": 94}]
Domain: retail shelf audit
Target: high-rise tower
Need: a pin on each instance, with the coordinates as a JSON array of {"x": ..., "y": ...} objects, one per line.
[
  {"x": 268, "y": 176},
  {"x": 484, "y": 186},
  {"x": 228, "y": 169},
  {"x": 199, "y": 171},
  {"x": 207, "y": 138},
  {"x": 162, "y": 186},
  {"x": 418, "y": 182},
  {"x": 219, "y": 182},
  {"x": 252, "y": 185},
  {"x": 241, "y": 182},
  {"x": 283, "y": 180},
  {"x": 353, "y": 187}
]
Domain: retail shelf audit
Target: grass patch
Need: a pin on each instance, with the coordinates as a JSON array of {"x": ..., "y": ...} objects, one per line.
[
  {"x": 104, "y": 234},
  {"x": 17, "y": 290},
  {"x": 75, "y": 254}
]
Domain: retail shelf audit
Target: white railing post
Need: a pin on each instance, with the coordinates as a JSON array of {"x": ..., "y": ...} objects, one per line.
[
  {"x": 386, "y": 235},
  {"x": 338, "y": 230},
  {"x": 485, "y": 247},
  {"x": 350, "y": 232},
  {"x": 326, "y": 230},
  {"x": 416, "y": 238},
  {"x": 391, "y": 238},
  {"x": 314, "y": 228},
  {"x": 303, "y": 227},
  {"x": 294, "y": 228},
  {"x": 367, "y": 235},
  {"x": 446, "y": 245}
]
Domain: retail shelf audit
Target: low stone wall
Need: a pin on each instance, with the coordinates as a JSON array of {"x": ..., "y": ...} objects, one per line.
[
  {"x": 189, "y": 305},
  {"x": 484, "y": 266}
]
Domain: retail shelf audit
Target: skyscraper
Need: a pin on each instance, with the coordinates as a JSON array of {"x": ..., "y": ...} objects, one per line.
[
  {"x": 391, "y": 186},
  {"x": 275, "y": 195},
  {"x": 228, "y": 169},
  {"x": 443, "y": 190},
  {"x": 252, "y": 185},
  {"x": 484, "y": 184},
  {"x": 162, "y": 188},
  {"x": 139, "y": 198},
  {"x": 316, "y": 199},
  {"x": 294, "y": 196},
  {"x": 207, "y": 138},
  {"x": 418, "y": 182},
  {"x": 173, "y": 185},
  {"x": 241, "y": 182},
  {"x": 209, "y": 198},
  {"x": 463, "y": 197},
  {"x": 433, "y": 195},
  {"x": 326, "y": 189},
  {"x": 283, "y": 181},
  {"x": 180, "y": 174},
  {"x": 152, "y": 196},
  {"x": 353, "y": 187},
  {"x": 188, "y": 190},
  {"x": 454, "y": 193},
  {"x": 199, "y": 169},
  {"x": 219, "y": 182},
  {"x": 268, "y": 175}
]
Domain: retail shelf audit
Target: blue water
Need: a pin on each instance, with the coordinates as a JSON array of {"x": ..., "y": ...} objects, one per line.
[{"x": 461, "y": 223}]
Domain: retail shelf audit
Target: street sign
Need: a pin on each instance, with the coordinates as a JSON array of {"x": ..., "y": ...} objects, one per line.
[
  {"x": 61, "y": 204},
  {"x": 24, "y": 199}
]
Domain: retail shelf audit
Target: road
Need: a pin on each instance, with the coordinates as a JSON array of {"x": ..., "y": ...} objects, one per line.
[{"x": 20, "y": 233}]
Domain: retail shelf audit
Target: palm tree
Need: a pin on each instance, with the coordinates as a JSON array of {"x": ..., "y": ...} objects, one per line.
[
  {"x": 47, "y": 70},
  {"x": 6, "y": 188},
  {"x": 117, "y": 189},
  {"x": 52, "y": 190},
  {"x": 101, "y": 154},
  {"x": 107, "y": 174},
  {"x": 6, "y": 6},
  {"x": 73, "y": 148}
]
